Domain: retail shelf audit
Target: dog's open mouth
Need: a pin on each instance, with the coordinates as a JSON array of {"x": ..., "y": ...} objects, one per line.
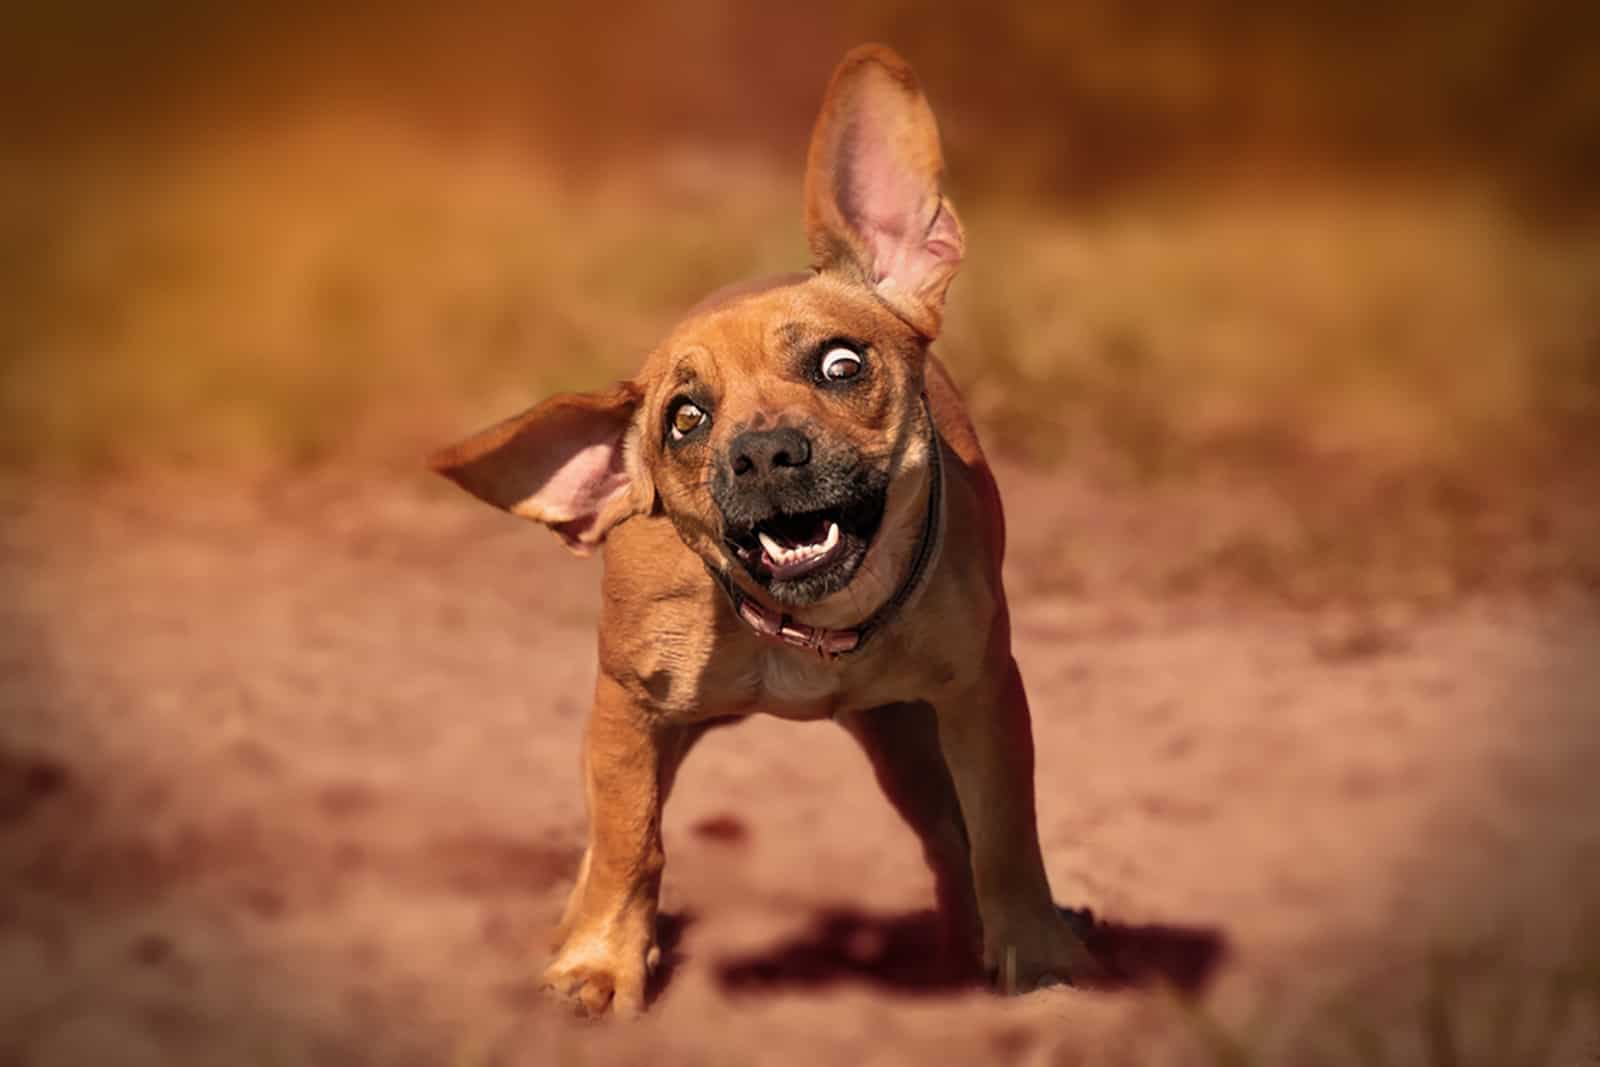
[
  {"x": 801, "y": 557},
  {"x": 792, "y": 545}
]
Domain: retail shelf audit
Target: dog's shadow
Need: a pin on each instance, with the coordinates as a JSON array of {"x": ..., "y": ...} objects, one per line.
[
  {"x": 670, "y": 928},
  {"x": 897, "y": 953}
]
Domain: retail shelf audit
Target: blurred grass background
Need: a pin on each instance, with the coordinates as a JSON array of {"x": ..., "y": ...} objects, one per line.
[{"x": 1348, "y": 249}]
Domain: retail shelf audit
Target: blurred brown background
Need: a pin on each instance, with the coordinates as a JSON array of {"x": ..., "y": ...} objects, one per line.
[
  {"x": 1316, "y": 226},
  {"x": 1283, "y": 321},
  {"x": 1065, "y": 98}
]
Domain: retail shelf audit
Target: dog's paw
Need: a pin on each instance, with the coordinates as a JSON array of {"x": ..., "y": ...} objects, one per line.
[
  {"x": 1048, "y": 953},
  {"x": 595, "y": 974}
]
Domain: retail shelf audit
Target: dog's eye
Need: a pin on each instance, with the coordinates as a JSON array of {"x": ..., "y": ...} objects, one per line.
[
  {"x": 840, "y": 364},
  {"x": 686, "y": 419}
]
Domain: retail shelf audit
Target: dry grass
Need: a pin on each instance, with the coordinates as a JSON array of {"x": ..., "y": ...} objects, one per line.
[
  {"x": 326, "y": 296},
  {"x": 1398, "y": 330}
]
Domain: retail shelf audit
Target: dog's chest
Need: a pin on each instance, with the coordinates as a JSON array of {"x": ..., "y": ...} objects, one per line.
[{"x": 794, "y": 684}]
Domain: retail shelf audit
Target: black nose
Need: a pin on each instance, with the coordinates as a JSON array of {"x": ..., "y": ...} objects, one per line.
[{"x": 765, "y": 451}]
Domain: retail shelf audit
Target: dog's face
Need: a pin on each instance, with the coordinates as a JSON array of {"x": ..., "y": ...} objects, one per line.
[
  {"x": 776, "y": 422},
  {"x": 777, "y": 425}
]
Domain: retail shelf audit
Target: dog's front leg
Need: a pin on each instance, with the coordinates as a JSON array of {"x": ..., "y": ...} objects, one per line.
[
  {"x": 988, "y": 744},
  {"x": 606, "y": 938}
]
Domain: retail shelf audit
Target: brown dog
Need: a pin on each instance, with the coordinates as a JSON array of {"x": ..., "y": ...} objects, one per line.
[{"x": 797, "y": 518}]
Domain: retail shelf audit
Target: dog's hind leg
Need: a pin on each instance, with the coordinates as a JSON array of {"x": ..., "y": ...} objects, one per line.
[{"x": 902, "y": 741}]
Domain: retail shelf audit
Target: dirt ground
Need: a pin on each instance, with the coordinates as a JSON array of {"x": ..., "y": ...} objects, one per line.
[{"x": 289, "y": 774}]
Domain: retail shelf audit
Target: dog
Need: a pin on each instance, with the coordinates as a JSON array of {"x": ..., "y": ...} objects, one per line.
[{"x": 796, "y": 518}]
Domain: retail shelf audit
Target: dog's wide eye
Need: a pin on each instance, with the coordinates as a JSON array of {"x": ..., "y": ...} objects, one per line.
[
  {"x": 685, "y": 420},
  {"x": 840, "y": 364}
]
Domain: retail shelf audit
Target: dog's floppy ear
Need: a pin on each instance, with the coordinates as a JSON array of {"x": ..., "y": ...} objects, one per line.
[
  {"x": 564, "y": 462},
  {"x": 873, "y": 204}
]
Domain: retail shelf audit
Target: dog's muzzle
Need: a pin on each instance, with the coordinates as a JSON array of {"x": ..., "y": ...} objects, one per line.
[
  {"x": 779, "y": 627},
  {"x": 798, "y": 520}
]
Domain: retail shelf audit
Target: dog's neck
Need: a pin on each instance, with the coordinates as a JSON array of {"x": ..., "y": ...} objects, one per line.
[{"x": 891, "y": 575}]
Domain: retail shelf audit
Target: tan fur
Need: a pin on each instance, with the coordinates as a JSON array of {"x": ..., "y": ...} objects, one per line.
[{"x": 934, "y": 698}]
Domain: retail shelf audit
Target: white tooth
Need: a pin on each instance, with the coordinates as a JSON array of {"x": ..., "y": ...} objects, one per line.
[{"x": 787, "y": 557}]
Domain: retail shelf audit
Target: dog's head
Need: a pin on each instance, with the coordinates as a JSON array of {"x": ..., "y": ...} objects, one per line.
[{"x": 780, "y": 421}]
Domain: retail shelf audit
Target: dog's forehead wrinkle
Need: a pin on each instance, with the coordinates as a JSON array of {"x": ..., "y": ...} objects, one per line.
[
  {"x": 791, "y": 334},
  {"x": 688, "y": 370}
]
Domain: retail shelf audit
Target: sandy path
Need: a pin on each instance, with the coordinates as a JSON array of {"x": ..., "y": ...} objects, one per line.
[{"x": 289, "y": 774}]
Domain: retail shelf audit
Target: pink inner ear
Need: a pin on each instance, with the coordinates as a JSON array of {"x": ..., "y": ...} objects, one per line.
[
  {"x": 883, "y": 194},
  {"x": 581, "y": 487},
  {"x": 560, "y": 463},
  {"x": 574, "y": 497},
  {"x": 896, "y": 209}
]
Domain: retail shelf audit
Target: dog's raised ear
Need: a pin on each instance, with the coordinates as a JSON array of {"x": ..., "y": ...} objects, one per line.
[
  {"x": 564, "y": 462},
  {"x": 873, "y": 204}
]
